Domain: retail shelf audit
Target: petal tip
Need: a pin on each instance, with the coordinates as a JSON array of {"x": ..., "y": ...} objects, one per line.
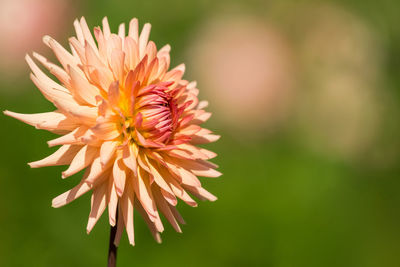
[{"x": 31, "y": 164}]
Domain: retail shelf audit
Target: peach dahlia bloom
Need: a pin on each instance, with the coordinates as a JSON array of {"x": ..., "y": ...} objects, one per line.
[{"x": 131, "y": 123}]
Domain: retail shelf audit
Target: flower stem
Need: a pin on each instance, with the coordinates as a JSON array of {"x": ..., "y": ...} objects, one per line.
[{"x": 112, "y": 249}]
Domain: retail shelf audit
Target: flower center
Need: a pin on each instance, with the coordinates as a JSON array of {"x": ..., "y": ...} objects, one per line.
[{"x": 154, "y": 118}]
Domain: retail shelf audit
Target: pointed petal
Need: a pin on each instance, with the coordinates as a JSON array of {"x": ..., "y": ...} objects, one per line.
[
  {"x": 51, "y": 121},
  {"x": 82, "y": 159},
  {"x": 63, "y": 156},
  {"x": 163, "y": 206},
  {"x": 129, "y": 155},
  {"x": 161, "y": 182},
  {"x": 127, "y": 202},
  {"x": 99, "y": 204},
  {"x": 150, "y": 224},
  {"x": 112, "y": 203},
  {"x": 143, "y": 193},
  {"x": 119, "y": 176},
  {"x": 71, "y": 195},
  {"x": 120, "y": 227},
  {"x": 81, "y": 89},
  {"x": 121, "y": 30},
  {"x": 200, "y": 193},
  {"x": 106, "y": 28},
  {"x": 117, "y": 64},
  {"x": 87, "y": 34},
  {"x": 134, "y": 29},
  {"x": 63, "y": 56},
  {"x": 72, "y": 138},
  {"x": 107, "y": 151},
  {"x": 143, "y": 39}
]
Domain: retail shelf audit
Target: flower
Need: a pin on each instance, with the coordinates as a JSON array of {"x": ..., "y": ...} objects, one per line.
[{"x": 131, "y": 123}]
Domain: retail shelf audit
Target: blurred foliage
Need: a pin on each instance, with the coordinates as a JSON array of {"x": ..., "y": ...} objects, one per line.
[{"x": 280, "y": 203}]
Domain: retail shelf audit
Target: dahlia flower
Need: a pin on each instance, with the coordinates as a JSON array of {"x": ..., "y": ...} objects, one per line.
[{"x": 129, "y": 121}]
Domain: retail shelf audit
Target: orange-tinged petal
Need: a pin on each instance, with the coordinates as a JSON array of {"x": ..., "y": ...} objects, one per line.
[
  {"x": 63, "y": 56},
  {"x": 63, "y": 156},
  {"x": 81, "y": 160},
  {"x": 118, "y": 64},
  {"x": 51, "y": 121},
  {"x": 134, "y": 30},
  {"x": 177, "y": 189},
  {"x": 200, "y": 193},
  {"x": 167, "y": 192},
  {"x": 112, "y": 203},
  {"x": 143, "y": 192},
  {"x": 72, "y": 138},
  {"x": 83, "y": 91},
  {"x": 79, "y": 32},
  {"x": 129, "y": 155},
  {"x": 99, "y": 198},
  {"x": 143, "y": 39},
  {"x": 107, "y": 151},
  {"x": 132, "y": 53},
  {"x": 164, "y": 207},
  {"x": 86, "y": 33},
  {"x": 121, "y": 30},
  {"x": 71, "y": 195},
  {"x": 106, "y": 28},
  {"x": 127, "y": 203},
  {"x": 120, "y": 227},
  {"x": 97, "y": 171},
  {"x": 119, "y": 176},
  {"x": 106, "y": 129},
  {"x": 61, "y": 74},
  {"x": 154, "y": 231}
]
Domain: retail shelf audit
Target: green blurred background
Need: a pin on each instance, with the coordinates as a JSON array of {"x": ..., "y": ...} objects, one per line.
[{"x": 306, "y": 97}]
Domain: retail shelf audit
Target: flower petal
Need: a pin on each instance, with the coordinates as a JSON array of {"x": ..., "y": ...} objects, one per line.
[
  {"x": 81, "y": 89},
  {"x": 63, "y": 156},
  {"x": 119, "y": 176},
  {"x": 71, "y": 195},
  {"x": 51, "y": 121},
  {"x": 127, "y": 202},
  {"x": 99, "y": 198},
  {"x": 82, "y": 159},
  {"x": 129, "y": 155},
  {"x": 107, "y": 151}
]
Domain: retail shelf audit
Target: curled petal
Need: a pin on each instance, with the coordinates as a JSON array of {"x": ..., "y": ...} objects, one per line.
[
  {"x": 71, "y": 195},
  {"x": 82, "y": 159},
  {"x": 63, "y": 156},
  {"x": 200, "y": 193},
  {"x": 82, "y": 90},
  {"x": 106, "y": 129},
  {"x": 73, "y": 137},
  {"x": 51, "y": 121}
]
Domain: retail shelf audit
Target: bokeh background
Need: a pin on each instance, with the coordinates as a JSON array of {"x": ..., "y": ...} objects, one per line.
[{"x": 306, "y": 96}]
